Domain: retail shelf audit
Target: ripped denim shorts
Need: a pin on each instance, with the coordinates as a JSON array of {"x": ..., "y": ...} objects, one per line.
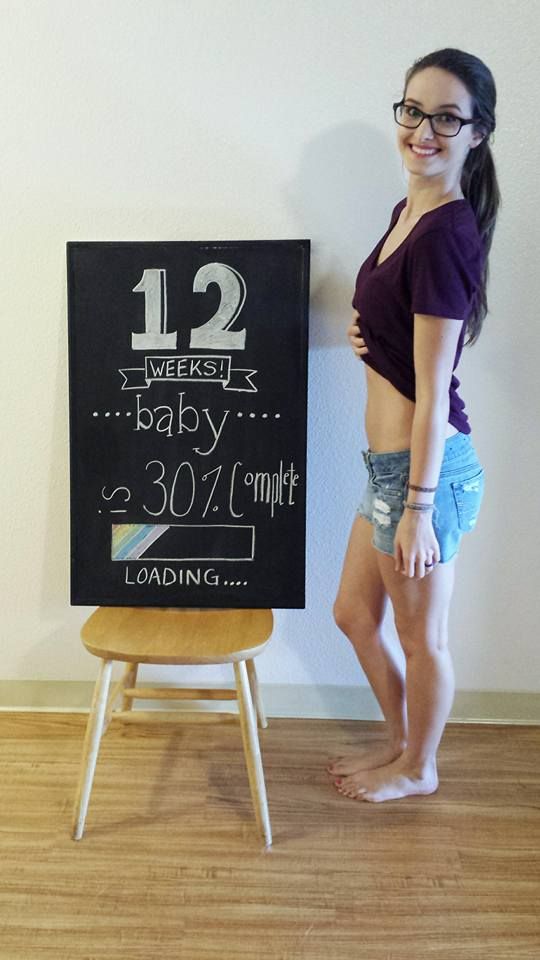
[{"x": 457, "y": 499}]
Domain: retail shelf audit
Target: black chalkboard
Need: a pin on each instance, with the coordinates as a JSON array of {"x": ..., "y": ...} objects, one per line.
[{"x": 188, "y": 405}]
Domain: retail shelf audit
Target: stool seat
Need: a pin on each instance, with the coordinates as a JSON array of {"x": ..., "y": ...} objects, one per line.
[
  {"x": 176, "y": 636},
  {"x": 168, "y": 635}
]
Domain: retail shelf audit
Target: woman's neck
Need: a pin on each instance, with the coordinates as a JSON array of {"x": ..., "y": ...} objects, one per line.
[{"x": 421, "y": 201}]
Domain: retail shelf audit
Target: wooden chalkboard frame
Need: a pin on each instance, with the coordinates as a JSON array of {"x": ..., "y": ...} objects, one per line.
[{"x": 278, "y": 290}]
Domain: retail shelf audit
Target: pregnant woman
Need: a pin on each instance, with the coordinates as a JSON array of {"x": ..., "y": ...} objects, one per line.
[{"x": 420, "y": 291}]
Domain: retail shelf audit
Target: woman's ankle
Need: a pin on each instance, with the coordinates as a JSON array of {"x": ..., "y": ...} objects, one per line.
[{"x": 398, "y": 742}]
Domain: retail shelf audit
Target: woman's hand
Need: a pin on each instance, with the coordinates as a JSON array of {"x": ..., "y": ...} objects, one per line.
[
  {"x": 415, "y": 544},
  {"x": 355, "y": 336}
]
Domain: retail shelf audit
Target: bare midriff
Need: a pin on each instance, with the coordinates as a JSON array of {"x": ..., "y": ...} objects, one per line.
[{"x": 389, "y": 415}]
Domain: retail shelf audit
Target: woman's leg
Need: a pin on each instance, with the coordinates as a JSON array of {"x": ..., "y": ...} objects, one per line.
[
  {"x": 359, "y": 610},
  {"x": 421, "y": 608}
]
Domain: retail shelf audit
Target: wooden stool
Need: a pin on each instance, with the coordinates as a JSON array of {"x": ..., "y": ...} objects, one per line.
[{"x": 175, "y": 636}]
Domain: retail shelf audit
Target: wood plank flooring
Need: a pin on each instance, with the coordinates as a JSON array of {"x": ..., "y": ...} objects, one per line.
[{"x": 171, "y": 865}]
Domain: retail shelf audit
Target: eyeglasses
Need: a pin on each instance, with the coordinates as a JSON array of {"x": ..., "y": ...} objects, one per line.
[{"x": 443, "y": 124}]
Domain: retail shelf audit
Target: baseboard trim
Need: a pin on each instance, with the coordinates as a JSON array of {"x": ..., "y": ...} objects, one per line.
[{"x": 330, "y": 702}]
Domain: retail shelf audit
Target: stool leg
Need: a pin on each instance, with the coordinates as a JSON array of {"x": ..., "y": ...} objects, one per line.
[
  {"x": 256, "y": 693},
  {"x": 94, "y": 730},
  {"x": 129, "y": 680},
  {"x": 248, "y": 724}
]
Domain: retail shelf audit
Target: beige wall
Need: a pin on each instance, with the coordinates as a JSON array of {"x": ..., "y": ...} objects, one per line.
[{"x": 182, "y": 120}]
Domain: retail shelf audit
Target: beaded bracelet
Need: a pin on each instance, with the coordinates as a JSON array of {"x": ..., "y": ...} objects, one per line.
[{"x": 411, "y": 486}]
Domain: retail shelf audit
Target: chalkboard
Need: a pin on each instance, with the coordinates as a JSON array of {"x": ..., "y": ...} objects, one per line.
[{"x": 188, "y": 407}]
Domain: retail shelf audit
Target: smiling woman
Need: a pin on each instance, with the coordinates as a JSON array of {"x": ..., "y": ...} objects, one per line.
[{"x": 417, "y": 295}]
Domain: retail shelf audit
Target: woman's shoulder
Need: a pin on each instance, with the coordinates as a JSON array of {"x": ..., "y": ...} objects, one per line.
[
  {"x": 448, "y": 242},
  {"x": 453, "y": 217},
  {"x": 455, "y": 220},
  {"x": 448, "y": 235}
]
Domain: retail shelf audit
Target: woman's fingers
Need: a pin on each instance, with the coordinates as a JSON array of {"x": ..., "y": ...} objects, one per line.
[
  {"x": 356, "y": 340},
  {"x": 354, "y": 334}
]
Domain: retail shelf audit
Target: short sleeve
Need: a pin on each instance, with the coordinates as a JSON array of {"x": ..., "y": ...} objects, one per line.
[{"x": 444, "y": 272}]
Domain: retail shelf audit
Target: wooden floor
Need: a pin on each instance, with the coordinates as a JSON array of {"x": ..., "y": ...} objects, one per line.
[{"x": 171, "y": 865}]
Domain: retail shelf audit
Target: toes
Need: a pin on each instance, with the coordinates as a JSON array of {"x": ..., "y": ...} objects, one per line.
[
  {"x": 351, "y": 790},
  {"x": 353, "y": 783},
  {"x": 335, "y": 767},
  {"x": 355, "y": 793},
  {"x": 331, "y": 768}
]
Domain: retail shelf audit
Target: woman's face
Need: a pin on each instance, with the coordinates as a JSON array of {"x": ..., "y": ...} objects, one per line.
[{"x": 434, "y": 90}]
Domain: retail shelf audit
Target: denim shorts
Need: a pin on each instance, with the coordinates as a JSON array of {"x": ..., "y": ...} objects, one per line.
[{"x": 457, "y": 499}]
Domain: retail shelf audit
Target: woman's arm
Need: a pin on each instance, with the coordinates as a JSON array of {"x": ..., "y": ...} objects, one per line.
[{"x": 435, "y": 345}]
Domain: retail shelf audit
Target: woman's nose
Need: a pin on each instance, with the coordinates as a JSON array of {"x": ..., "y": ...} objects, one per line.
[{"x": 426, "y": 129}]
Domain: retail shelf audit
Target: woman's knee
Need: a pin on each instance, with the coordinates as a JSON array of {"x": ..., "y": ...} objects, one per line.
[
  {"x": 429, "y": 639},
  {"x": 342, "y": 615},
  {"x": 355, "y": 620}
]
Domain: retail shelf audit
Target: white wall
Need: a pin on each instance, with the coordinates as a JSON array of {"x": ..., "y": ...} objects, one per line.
[{"x": 179, "y": 120}]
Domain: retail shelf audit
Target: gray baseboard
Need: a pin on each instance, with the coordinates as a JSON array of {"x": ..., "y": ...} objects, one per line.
[{"x": 329, "y": 702}]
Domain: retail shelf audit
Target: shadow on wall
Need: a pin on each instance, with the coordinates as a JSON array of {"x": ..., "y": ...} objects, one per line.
[{"x": 348, "y": 181}]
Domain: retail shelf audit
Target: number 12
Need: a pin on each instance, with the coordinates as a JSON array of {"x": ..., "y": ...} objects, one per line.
[{"x": 215, "y": 334}]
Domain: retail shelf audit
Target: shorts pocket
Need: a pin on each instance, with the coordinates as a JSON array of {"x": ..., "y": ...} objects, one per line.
[
  {"x": 468, "y": 496},
  {"x": 392, "y": 484}
]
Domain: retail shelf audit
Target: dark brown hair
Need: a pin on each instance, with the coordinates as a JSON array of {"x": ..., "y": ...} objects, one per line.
[{"x": 478, "y": 176}]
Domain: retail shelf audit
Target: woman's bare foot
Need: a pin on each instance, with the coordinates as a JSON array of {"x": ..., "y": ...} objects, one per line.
[
  {"x": 389, "y": 783},
  {"x": 376, "y": 755}
]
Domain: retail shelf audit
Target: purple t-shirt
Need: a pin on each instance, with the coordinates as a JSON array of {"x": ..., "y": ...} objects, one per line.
[{"x": 436, "y": 270}]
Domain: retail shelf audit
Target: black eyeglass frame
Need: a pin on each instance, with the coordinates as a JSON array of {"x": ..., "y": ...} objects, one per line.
[{"x": 430, "y": 116}]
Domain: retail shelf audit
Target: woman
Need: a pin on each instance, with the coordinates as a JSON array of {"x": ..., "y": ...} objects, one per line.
[{"x": 417, "y": 294}]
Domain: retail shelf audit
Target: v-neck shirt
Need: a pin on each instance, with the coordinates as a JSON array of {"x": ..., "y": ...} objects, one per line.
[{"x": 435, "y": 270}]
